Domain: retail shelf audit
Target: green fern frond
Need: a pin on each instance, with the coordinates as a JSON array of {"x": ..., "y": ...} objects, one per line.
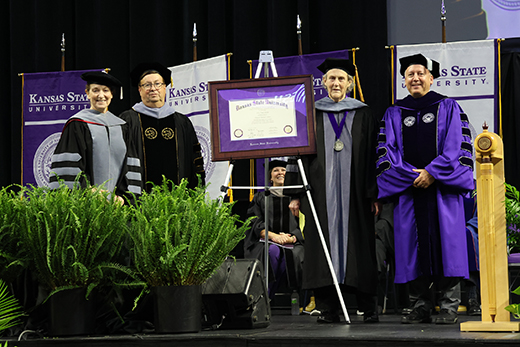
[
  {"x": 180, "y": 236},
  {"x": 10, "y": 310},
  {"x": 67, "y": 233}
]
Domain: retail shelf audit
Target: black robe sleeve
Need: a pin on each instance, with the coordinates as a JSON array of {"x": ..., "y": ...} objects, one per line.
[
  {"x": 194, "y": 163},
  {"x": 72, "y": 156}
]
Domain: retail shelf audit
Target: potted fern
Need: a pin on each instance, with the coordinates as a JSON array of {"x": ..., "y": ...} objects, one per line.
[
  {"x": 180, "y": 238},
  {"x": 12, "y": 260},
  {"x": 73, "y": 239},
  {"x": 512, "y": 203}
]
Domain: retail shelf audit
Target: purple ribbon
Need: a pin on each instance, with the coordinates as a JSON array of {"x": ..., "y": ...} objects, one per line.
[{"x": 337, "y": 128}]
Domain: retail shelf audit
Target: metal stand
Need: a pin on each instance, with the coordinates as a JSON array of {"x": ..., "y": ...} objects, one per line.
[
  {"x": 307, "y": 188},
  {"x": 266, "y": 57},
  {"x": 322, "y": 239}
]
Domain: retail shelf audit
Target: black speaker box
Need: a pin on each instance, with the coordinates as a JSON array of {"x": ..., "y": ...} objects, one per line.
[{"x": 235, "y": 297}]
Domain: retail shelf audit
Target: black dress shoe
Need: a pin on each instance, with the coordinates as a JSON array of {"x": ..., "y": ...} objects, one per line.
[
  {"x": 473, "y": 308},
  {"x": 406, "y": 310},
  {"x": 370, "y": 317},
  {"x": 446, "y": 317},
  {"x": 328, "y": 318},
  {"x": 418, "y": 315}
]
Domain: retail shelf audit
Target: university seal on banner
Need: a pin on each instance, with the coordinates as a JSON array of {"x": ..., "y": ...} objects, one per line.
[
  {"x": 205, "y": 146},
  {"x": 409, "y": 121},
  {"x": 42, "y": 159},
  {"x": 510, "y": 5}
]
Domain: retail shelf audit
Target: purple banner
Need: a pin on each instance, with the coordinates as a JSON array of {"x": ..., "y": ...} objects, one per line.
[
  {"x": 49, "y": 99},
  {"x": 305, "y": 65},
  {"x": 300, "y": 65}
]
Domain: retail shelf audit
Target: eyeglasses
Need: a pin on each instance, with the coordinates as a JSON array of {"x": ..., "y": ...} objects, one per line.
[{"x": 148, "y": 86}]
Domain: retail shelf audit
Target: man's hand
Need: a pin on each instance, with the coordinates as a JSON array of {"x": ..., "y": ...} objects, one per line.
[
  {"x": 294, "y": 206},
  {"x": 376, "y": 208},
  {"x": 424, "y": 180},
  {"x": 120, "y": 200}
]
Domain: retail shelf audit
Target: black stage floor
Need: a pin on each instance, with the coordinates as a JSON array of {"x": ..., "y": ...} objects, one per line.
[{"x": 287, "y": 330}]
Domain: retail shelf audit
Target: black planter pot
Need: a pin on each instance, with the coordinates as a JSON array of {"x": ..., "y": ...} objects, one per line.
[
  {"x": 177, "y": 309},
  {"x": 71, "y": 313}
]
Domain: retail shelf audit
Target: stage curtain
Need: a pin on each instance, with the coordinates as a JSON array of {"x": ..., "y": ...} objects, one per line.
[
  {"x": 510, "y": 63},
  {"x": 120, "y": 34}
]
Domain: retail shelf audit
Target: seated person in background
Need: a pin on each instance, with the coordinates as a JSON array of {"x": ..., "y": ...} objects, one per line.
[{"x": 283, "y": 230}]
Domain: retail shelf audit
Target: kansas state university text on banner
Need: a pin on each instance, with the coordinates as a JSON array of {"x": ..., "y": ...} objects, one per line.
[
  {"x": 49, "y": 99},
  {"x": 189, "y": 96},
  {"x": 468, "y": 75}
]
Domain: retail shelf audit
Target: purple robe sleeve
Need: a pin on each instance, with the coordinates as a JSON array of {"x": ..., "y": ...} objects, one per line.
[
  {"x": 453, "y": 167},
  {"x": 394, "y": 175}
]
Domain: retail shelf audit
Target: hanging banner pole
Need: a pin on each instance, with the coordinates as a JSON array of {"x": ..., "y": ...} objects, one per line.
[
  {"x": 443, "y": 21},
  {"x": 63, "y": 52},
  {"x": 299, "y": 33},
  {"x": 194, "y": 41}
]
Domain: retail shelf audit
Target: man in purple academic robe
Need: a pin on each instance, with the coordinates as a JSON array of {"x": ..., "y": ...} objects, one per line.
[{"x": 425, "y": 166}]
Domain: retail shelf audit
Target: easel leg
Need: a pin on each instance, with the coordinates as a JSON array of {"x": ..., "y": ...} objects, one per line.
[
  {"x": 224, "y": 187},
  {"x": 323, "y": 243}
]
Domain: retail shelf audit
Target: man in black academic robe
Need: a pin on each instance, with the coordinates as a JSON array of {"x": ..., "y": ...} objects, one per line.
[
  {"x": 166, "y": 140},
  {"x": 344, "y": 190}
]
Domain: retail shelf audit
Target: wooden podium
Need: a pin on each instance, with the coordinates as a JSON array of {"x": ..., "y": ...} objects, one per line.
[{"x": 494, "y": 277}]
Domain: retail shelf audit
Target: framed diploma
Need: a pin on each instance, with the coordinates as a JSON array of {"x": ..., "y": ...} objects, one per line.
[{"x": 260, "y": 118}]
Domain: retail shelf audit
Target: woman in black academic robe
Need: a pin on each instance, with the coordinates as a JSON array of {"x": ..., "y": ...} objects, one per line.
[
  {"x": 285, "y": 236},
  {"x": 94, "y": 142}
]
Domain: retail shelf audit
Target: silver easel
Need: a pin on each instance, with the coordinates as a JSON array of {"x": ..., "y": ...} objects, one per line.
[{"x": 266, "y": 57}]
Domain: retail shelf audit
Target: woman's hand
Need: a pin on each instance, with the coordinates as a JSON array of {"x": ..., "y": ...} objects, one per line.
[{"x": 283, "y": 238}]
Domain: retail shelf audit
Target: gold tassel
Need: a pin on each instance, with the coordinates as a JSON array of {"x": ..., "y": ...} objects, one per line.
[
  {"x": 251, "y": 178},
  {"x": 392, "y": 57},
  {"x": 358, "y": 82},
  {"x": 230, "y": 191}
]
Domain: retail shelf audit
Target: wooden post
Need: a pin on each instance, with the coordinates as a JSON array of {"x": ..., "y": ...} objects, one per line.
[{"x": 494, "y": 276}]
